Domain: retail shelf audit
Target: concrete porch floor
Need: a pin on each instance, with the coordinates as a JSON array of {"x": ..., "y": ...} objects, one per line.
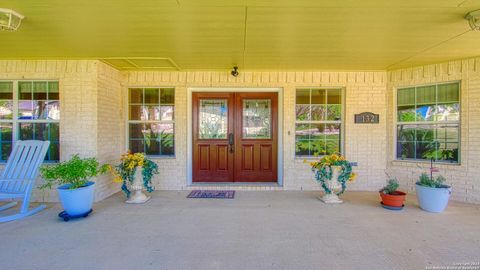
[{"x": 256, "y": 230}]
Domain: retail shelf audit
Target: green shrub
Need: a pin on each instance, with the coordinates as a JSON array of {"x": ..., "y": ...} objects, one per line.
[
  {"x": 75, "y": 172},
  {"x": 430, "y": 181},
  {"x": 391, "y": 187}
]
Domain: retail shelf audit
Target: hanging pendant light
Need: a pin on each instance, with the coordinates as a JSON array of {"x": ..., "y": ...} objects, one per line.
[{"x": 10, "y": 20}]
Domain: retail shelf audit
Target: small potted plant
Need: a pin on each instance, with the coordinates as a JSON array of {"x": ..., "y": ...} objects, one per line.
[
  {"x": 135, "y": 172},
  {"x": 392, "y": 198},
  {"x": 432, "y": 193},
  {"x": 75, "y": 190},
  {"x": 333, "y": 172}
]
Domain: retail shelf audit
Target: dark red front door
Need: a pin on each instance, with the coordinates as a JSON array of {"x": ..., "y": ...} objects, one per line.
[{"x": 234, "y": 137}]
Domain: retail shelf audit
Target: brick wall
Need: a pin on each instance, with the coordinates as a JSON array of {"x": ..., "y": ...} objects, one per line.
[
  {"x": 93, "y": 116},
  {"x": 90, "y": 93},
  {"x": 365, "y": 144},
  {"x": 464, "y": 177}
]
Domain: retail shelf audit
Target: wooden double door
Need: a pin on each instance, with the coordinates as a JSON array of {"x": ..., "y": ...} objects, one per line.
[{"x": 234, "y": 137}]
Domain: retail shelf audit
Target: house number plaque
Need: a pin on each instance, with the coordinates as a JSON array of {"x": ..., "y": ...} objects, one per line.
[{"x": 367, "y": 118}]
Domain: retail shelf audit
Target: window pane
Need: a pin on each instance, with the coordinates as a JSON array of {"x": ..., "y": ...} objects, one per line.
[
  {"x": 425, "y": 112},
  {"x": 406, "y": 133},
  {"x": 319, "y": 96},
  {"x": 447, "y": 133},
  {"x": 40, "y": 109},
  {"x": 166, "y": 147},
  {"x": 151, "y": 113},
  {"x": 152, "y": 147},
  {"x": 167, "y": 96},
  {"x": 135, "y": 95},
  {"x": 25, "y": 109},
  {"x": 53, "y": 92},
  {"x": 302, "y": 131},
  {"x": 334, "y": 96},
  {"x": 256, "y": 121},
  {"x": 25, "y": 90},
  {"x": 40, "y": 90},
  {"x": 54, "y": 135},
  {"x": 5, "y": 140},
  {"x": 448, "y": 112},
  {"x": 53, "y": 110},
  {"x": 53, "y": 152},
  {"x": 426, "y": 94},
  {"x": 425, "y": 133},
  {"x": 317, "y": 131},
  {"x": 303, "y": 96},
  {"x": 332, "y": 147},
  {"x": 405, "y": 150},
  {"x": 26, "y": 131},
  {"x": 448, "y": 92},
  {"x": 334, "y": 112},
  {"x": 135, "y": 112},
  {"x": 425, "y": 150},
  {"x": 166, "y": 112},
  {"x": 136, "y": 131},
  {"x": 213, "y": 122},
  {"x": 6, "y": 109},
  {"x": 136, "y": 146},
  {"x": 152, "y": 95},
  {"x": 318, "y": 112},
  {"x": 302, "y": 112},
  {"x": 302, "y": 148},
  {"x": 406, "y": 113},
  {"x": 406, "y": 96},
  {"x": 6, "y": 90}
]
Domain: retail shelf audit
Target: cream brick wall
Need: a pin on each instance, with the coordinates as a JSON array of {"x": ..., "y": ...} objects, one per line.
[
  {"x": 464, "y": 178},
  {"x": 365, "y": 144},
  {"x": 87, "y": 88},
  {"x": 93, "y": 117}
]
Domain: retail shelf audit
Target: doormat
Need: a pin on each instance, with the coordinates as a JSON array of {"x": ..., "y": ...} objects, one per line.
[{"x": 212, "y": 194}]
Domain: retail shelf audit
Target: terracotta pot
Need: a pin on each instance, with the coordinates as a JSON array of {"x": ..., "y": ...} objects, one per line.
[{"x": 395, "y": 199}]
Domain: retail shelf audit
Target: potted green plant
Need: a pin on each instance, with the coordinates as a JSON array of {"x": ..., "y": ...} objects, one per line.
[
  {"x": 392, "y": 198},
  {"x": 75, "y": 190},
  {"x": 432, "y": 193}
]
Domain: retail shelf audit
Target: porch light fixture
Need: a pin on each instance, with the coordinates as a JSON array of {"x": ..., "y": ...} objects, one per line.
[
  {"x": 10, "y": 20},
  {"x": 234, "y": 71},
  {"x": 473, "y": 18}
]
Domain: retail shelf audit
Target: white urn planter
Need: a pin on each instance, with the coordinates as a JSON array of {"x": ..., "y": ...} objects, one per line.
[
  {"x": 334, "y": 186},
  {"x": 137, "y": 195}
]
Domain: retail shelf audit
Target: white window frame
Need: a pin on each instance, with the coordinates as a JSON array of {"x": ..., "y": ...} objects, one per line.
[
  {"x": 128, "y": 121},
  {"x": 397, "y": 123},
  {"x": 341, "y": 121},
  {"x": 15, "y": 121}
]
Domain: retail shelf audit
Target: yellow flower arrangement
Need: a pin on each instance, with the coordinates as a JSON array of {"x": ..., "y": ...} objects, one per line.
[{"x": 129, "y": 161}]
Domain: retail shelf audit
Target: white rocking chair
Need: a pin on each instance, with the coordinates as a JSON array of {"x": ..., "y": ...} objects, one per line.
[{"x": 18, "y": 177}]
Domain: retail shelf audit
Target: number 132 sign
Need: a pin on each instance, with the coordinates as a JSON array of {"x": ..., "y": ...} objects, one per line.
[{"x": 367, "y": 118}]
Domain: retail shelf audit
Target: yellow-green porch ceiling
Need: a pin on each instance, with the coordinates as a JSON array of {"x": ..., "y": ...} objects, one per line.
[{"x": 255, "y": 35}]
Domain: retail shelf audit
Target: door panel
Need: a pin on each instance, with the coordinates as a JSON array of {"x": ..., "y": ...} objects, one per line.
[
  {"x": 234, "y": 137},
  {"x": 212, "y": 122},
  {"x": 256, "y": 137}
]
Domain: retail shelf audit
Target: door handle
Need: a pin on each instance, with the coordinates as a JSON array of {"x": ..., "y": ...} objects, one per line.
[{"x": 231, "y": 142}]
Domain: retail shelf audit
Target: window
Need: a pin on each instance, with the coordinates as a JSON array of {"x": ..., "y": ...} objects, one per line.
[
  {"x": 428, "y": 122},
  {"x": 318, "y": 122},
  {"x": 151, "y": 127},
  {"x": 29, "y": 110}
]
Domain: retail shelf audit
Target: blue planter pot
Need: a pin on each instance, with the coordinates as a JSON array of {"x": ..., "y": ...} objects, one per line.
[
  {"x": 76, "y": 201},
  {"x": 433, "y": 199}
]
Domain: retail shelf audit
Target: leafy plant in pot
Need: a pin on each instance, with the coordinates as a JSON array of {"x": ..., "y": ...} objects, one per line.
[
  {"x": 75, "y": 188},
  {"x": 391, "y": 197},
  {"x": 432, "y": 193}
]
